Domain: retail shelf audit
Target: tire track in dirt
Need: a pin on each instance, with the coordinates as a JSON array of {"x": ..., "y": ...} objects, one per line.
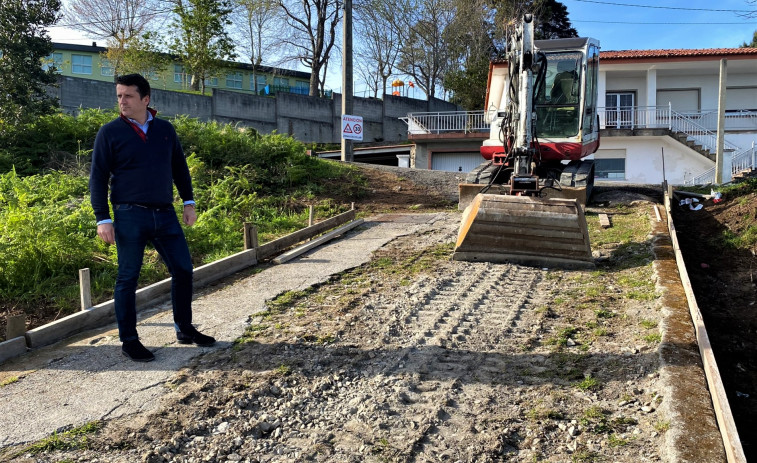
[{"x": 445, "y": 341}]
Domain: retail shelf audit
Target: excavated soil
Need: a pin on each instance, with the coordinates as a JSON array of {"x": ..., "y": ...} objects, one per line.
[{"x": 723, "y": 278}]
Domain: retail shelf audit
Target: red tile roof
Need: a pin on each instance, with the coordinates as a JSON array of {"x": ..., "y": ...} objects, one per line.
[{"x": 677, "y": 53}]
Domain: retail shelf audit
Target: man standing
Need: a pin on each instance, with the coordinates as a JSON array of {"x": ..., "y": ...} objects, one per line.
[{"x": 140, "y": 155}]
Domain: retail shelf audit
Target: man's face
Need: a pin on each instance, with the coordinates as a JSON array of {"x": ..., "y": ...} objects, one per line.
[{"x": 131, "y": 105}]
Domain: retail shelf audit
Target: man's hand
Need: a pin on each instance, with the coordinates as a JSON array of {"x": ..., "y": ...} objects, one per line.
[
  {"x": 189, "y": 216},
  {"x": 106, "y": 232}
]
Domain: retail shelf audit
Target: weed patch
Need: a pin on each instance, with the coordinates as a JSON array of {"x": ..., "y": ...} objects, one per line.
[{"x": 73, "y": 439}]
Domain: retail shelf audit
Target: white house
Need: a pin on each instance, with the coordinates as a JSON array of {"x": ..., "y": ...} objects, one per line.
[
  {"x": 658, "y": 121},
  {"x": 660, "y": 113}
]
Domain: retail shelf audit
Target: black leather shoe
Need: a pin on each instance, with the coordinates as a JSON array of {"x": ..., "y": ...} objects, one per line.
[
  {"x": 189, "y": 335},
  {"x": 136, "y": 351}
]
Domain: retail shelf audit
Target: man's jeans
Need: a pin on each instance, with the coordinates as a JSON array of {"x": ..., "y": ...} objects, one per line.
[{"x": 135, "y": 226}]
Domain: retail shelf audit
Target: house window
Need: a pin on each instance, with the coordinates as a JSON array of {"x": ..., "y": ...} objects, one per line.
[
  {"x": 302, "y": 87},
  {"x": 683, "y": 100},
  {"x": 741, "y": 99},
  {"x": 261, "y": 83},
  {"x": 81, "y": 64},
  {"x": 179, "y": 74},
  {"x": 610, "y": 168},
  {"x": 106, "y": 69},
  {"x": 150, "y": 74},
  {"x": 211, "y": 82},
  {"x": 280, "y": 82},
  {"x": 234, "y": 80},
  {"x": 55, "y": 60}
]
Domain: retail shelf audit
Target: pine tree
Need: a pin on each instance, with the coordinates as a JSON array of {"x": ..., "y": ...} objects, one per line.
[{"x": 24, "y": 46}]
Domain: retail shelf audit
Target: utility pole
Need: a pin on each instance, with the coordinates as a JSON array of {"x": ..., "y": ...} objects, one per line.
[
  {"x": 721, "y": 123},
  {"x": 347, "y": 106}
]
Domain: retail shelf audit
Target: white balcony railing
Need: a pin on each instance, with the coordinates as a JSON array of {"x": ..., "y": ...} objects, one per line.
[
  {"x": 697, "y": 126},
  {"x": 446, "y": 122}
]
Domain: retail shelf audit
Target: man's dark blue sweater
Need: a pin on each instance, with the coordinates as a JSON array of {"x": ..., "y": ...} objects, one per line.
[{"x": 141, "y": 168}]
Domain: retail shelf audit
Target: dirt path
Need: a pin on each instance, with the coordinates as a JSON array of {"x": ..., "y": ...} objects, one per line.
[{"x": 413, "y": 357}]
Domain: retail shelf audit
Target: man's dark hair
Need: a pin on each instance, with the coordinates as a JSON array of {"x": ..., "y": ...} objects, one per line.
[{"x": 143, "y": 87}]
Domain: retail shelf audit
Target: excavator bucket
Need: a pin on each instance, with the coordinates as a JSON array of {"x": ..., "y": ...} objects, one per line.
[{"x": 524, "y": 230}]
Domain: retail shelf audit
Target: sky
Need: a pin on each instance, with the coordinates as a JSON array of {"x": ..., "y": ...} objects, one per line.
[
  {"x": 618, "y": 25},
  {"x": 663, "y": 24}
]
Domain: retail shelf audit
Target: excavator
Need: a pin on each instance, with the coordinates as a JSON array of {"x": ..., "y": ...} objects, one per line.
[{"x": 524, "y": 203}]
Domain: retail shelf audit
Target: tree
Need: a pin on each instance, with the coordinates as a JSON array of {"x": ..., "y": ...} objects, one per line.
[
  {"x": 379, "y": 46},
  {"x": 425, "y": 54},
  {"x": 200, "y": 38},
  {"x": 118, "y": 21},
  {"x": 140, "y": 54},
  {"x": 550, "y": 17},
  {"x": 313, "y": 25},
  {"x": 473, "y": 44},
  {"x": 255, "y": 22},
  {"x": 24, "y": 44},
  {"x": 752, "y": 44},
  {"x": 478, "y": 35}
]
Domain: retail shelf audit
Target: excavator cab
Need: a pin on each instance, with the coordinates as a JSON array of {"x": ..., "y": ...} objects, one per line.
[
  {"x": 524, "y": 204},
  {"x": 566, "y": 107}
]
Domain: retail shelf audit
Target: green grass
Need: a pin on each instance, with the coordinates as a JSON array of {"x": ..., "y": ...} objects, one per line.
[
  {"x": 615, "y": 441},
  {"x": 584, "y": 456},
  {"x": 662, "y": 426},
  {"x": 11, "y": 380},
  {"x": 589, "y": 383},
  {"x": 654, "y": 338},
  {"x": 47, "y": 227},
  {"x": 561, "y": 338},
  {"x": 75, "y": 438},
  {"x": 648, "y": 324},
  {"x": 604, "y": 314},
  {"x": 283, "y": 370}
]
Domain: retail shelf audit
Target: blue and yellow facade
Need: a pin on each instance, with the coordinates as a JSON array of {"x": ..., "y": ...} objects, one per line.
[{"x": 89, "y": 62}]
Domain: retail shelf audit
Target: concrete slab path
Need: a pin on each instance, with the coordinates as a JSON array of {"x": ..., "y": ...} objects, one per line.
[{"x": 86, "y": 378}]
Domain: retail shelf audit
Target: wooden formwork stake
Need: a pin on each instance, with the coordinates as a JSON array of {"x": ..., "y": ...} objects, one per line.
[
  {"x": 15, "y": 326},
  {"x": 85, "y": 292},
  {"x": 250, "y": 236}
]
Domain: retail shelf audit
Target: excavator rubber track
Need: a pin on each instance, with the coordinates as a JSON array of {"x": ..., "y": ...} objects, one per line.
[{"x": 525, "y": 230}]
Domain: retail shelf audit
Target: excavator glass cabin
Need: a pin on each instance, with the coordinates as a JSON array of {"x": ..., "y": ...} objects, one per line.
[{"x": 566, "y": 103}]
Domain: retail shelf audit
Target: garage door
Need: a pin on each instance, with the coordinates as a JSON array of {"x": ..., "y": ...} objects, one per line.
[{"x": 456, "y": 162}]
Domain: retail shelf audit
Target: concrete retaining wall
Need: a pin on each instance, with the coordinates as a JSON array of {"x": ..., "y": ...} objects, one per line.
[{"x": 308, "y": 119}]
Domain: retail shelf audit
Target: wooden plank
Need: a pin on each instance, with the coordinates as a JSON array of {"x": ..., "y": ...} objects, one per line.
[
  {"x": 250, "y": 236},
  {"x": 316, "y": 242},
  {"x": 731, "y": 442},
  {"x": 604, "y": 221},
  {"x": 85, "y": 293},
  {"x": 278, "y": 245},
  {"x": 15, "y": 326}
]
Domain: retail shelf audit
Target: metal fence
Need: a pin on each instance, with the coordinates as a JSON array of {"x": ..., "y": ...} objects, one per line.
[
  {"x": 446, "y": 122},
  {"x": 743, "y": 161},
  {"x": 700, "y": 127}
]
